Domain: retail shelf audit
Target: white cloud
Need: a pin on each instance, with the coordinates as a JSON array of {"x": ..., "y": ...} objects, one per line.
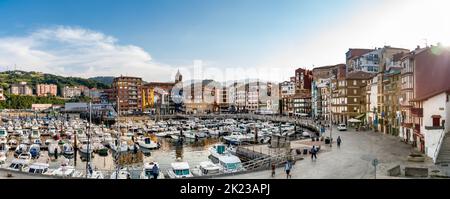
[{"x": 80, "y": 52}]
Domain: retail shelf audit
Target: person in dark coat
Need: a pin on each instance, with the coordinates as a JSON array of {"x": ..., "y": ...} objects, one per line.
[
  {"x": 155, "y": 171},
  {"x": 273, "y": 170},
  {"x": 339, "y": 140},
  {"x": 56, "y": 153},
  {"x": 313, "y": 153}
]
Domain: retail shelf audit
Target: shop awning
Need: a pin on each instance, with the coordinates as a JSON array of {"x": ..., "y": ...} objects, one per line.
[{"x": 360, "y": 116}]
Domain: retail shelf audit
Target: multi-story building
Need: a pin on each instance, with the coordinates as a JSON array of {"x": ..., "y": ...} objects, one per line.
[
  {"x": 386, "y": 58},
  {"x": 268, "y": 98},
  {"x": 367, "y": 62},
  {"x": 162, "y": 97},
  {"x": 407, "y": 94},
  {"x": 354, "y": 60},
  {"x": 431, "y": 108},
  {"x": 322, "y": 78},
  {"x": 71, "y": 92},
  {"x": 2, "y": 97},
  {"x": 301, "y": 103},
  {"x": 202, "y": 96},
  {"x": 223, "y": 100},
  {"x": 21, "y": 88},
  {"x": 372, "y": 102},
  {"x": 46, "y": 90},
  {"x": 303, "y": 79},
  {"x": 391, "y": 115},
  {"x": 287, "y": 90},
  {"x": 127, "y": 90},
  {"x": 349, "y": 97}
]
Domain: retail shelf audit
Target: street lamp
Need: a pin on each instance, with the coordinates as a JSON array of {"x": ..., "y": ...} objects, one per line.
[{"x": 329, "y": 110}]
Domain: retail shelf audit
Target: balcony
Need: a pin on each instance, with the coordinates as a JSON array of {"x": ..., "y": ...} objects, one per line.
[
  {"x": 434, "y": 127},
  {"x": 407, "y": 125},
  {"x": 418, "y": 112}
]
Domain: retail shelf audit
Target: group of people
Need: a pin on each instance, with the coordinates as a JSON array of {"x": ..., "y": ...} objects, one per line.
[{"x": 289, "y": 164}]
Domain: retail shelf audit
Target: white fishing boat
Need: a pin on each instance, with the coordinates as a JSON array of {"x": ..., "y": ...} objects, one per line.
[
  {"x": 123, "y": 147},
  {"x": 18, "y": 132},
  {"x": 54, "y": 148},
  {"x": 10, "y": 129},
  {"x": 12, "y": 143},
  {"x": 64, "y": 171},
  {"x": 206, "y": 168},
  {"x": 35, "y": 133},
  {"x": 2, "y": 157},
  {"x": 162, "y": 134},
  {"x": 22, "y": 148},
  {"x": 220, "y": 156},
  {"x": 147, "y": 143},
  {"x": 121, "y": 174},
  {"x": 37, "y": 141},
  {"x": 35, "y": 151},
  {"x": 38, "y": 168},
  {"x": 68, "y": 149},
  {"x": 179, "y": 170},
  {"x": 95, "y": 175},
  {"x": 148, "y": 171},
  {"x": 86, "y": 148},
  {"x": 189, "y": 134},
  {"x": 52, "y": 131},
  {"x": 4, "y": 147},
  {"x": 107, "y": 139},
  {"x": 237, "y": 138},
  {"x": 3, "y": 135},
  {"x": 19, "y": 165}
]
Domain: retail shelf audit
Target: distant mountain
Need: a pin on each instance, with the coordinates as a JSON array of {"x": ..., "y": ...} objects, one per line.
[
  {"x": 103, "y": 79},
  {"x": 32, "y": 78}
]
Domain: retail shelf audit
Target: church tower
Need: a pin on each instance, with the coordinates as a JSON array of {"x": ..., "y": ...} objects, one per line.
[{"x": 178, "y": 77}]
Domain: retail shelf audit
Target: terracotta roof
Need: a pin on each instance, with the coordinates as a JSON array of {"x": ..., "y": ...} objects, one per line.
[
  {"x": 423, "y": 98},
  {"x": 360, "y": 75},
  {"x": 327, "y": 67}
]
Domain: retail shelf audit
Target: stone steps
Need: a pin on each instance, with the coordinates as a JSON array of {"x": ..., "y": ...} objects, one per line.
[{"x": 444, "y": 152}]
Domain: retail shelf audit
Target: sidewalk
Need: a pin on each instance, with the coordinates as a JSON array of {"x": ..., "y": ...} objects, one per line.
[{"x": 353, "y": 160}]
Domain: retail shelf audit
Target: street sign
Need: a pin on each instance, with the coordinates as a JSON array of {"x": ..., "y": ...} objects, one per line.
[{"x": 375, "y": 162}]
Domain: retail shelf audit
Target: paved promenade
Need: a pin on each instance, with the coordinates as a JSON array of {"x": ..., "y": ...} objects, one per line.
[{"x": 353, "y": 160}]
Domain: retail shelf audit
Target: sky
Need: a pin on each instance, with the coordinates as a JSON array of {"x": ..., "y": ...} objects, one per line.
[{"x": 217, "y": 39}]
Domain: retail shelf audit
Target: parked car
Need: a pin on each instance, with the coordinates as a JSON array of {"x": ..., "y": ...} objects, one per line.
[{"x": 342, "y": 127}]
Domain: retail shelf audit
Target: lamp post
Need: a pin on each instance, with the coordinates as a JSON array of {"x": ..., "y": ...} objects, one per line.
[{"x": 329, "y": 110}]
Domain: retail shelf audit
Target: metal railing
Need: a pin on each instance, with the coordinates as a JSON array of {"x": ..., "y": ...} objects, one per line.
[{"x": 438, "y": 148}]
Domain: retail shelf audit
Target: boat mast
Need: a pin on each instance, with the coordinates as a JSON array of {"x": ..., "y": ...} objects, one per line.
[
  {"x": 118, "y": 141},
  {"x": 89, "y": 136}
]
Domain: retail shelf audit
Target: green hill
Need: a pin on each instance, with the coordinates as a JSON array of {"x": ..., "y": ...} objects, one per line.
[
  {"x": 108, "y": 80},
  {"x": 32, "y": 78}
]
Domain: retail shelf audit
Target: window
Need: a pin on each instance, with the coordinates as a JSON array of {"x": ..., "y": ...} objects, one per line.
[
  {"x": 354, "y": 91},
  {"x": 355, "y": 100},
  {"x": 436, "y": 122}
]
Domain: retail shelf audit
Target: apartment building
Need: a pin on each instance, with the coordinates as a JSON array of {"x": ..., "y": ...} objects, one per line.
[
  {"x": 21, "y": 88},
  {"x": 127, "y": 90}
]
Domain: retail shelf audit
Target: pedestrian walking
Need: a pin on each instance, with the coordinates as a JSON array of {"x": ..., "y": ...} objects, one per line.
[
  {"x": 313, "y": 153},
  {"x": 339, "y": 140},
  {"x": 155, "y": 171},
  {"x": 288, "y": 168},
  {"x": 273, "y": 170},
  {"x": 56, "y": 153}
]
